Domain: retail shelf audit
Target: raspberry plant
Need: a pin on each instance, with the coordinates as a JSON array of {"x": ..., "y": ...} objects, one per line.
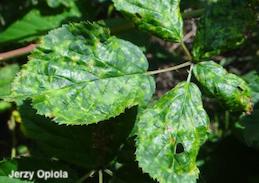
[{"x": 80, "y": 76}]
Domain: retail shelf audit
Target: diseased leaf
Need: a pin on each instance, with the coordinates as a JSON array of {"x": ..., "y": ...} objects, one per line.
[
  {"x": 34, "y": 24},
  {"x": 170, "y": 133},
  {"x": 230, "y": 89},
  {"x": 222, "y": 27},
  {"x": 162, "y": 18},
  {"x": 79, "y": 74},
  {"x": 57, "y": 3}
]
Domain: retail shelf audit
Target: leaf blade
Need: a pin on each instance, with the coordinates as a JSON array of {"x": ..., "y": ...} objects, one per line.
[
  {"x": 80, "y": 69},
  {"x": 162, "y": 18},
  {"x": 230, "y": 89},
  {"x": 177, "y": 119}
]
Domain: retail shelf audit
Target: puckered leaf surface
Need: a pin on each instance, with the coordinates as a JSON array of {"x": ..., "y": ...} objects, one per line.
[
  {"x": 230, "y": 89},
  {"x": 170, "y": 133},
  {"x": 222, "y": 27},
  {"x": 163, "y": 18},
  {"x": 79, "y": 74}
]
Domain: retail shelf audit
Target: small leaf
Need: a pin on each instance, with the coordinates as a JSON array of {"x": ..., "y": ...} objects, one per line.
[
  {"x": 170, "y": 133},
  {"x": 252, "y": 78},
  {"x": 34, "y": 24},
  {"x": 81, "y": 75},
  {"x": 222, "y": 27},
  {"x": 230, "y": 89},
  {"x": 162, "y": 18}
]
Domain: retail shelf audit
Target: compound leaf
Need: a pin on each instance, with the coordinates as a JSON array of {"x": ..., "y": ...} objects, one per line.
[
  {"x": 230, "y": 89},
  {"x": 79, "y": 74},
  {"x": 170, "y": 133},
  {"x": 162, "y": 18},
  {"x": 222, "y": 27}
]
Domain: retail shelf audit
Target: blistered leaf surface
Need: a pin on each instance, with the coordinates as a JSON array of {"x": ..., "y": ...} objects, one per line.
[
  {"x": 222, "y": 27},
  {"x": 230, "y": 89},
  {"x": 170, "y": 133},
  {"x": 163, "y": 18},
  {"x": 79, "y": 74}
]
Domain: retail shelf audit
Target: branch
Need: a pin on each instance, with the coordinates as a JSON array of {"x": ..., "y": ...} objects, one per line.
[
  {"x": 16, "y": 53},
  {"x": 169, "y": 69},
  {"x": 186, "y": 51}
]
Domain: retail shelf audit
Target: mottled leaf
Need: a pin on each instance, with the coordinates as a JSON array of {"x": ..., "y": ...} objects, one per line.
[
  {"x": 57, "y": 3},
  {"x": 79, "y": 74},
  {"x": 162, "y": 18},
  {"x": 170, "y": 133},
  {"x": 90, "y": 146},
  {"x": 230, "y": 89},
  {"x": 34, "y": 23},
  {"x": 222, "y": 27}
]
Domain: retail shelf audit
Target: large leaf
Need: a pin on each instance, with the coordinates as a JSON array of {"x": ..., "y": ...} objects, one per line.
[
  {"x": 222, "y": 27},
  {"x": 230, "y": 89},
  {"x": 81, "y": 75},
  {"x": 35, "y": 165},
  {"x": 170, "y": 133},
  {"x": 163, "y": 18},
  {"x": 34, "y": 23},
  {"x": 90, "y": 146}
]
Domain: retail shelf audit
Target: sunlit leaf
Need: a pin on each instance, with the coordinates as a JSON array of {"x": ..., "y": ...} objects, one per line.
[{"x": 170, "y": 133}]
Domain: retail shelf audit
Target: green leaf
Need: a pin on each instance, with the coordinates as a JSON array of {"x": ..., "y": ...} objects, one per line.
[
  {"x": 170, "y": 133},
  {"x": 162, "y": 18},
  {"x": 91, "y": 146},
  {"x": 79, "y": 74},
  {"x": 252, "y": 78},
  {"x": 11, "y": 180},
  {"x": 34, "y": 24},
  {"x": 57, "y": 3},
  {"x": 248, "y": 129},
  {"x": 36, "y": 164},
  {"x": 7, "y": 75},
  {"x": 230, "y": 89},
  {"x": 222, "y": 27}
]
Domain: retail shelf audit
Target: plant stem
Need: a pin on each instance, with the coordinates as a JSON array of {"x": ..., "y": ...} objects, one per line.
[
  {"x": 193, "y": 13},
  {"x": 190, "y": 74},
  {"x": 17, "y": 52},
  {"x": 169, "y": 69},
  {"x": 100, "y": 176},
  {"x": 186, "y": 51},
  {"x": 86, "y": 176}
]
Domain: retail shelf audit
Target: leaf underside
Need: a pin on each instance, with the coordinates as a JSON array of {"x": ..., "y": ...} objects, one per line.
[
  {"x": 162, "y": 18},
  {"x": 79, "y": 74},
  {"x": 170, "y": 133},
  {"x": 230, "y": 89}
]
